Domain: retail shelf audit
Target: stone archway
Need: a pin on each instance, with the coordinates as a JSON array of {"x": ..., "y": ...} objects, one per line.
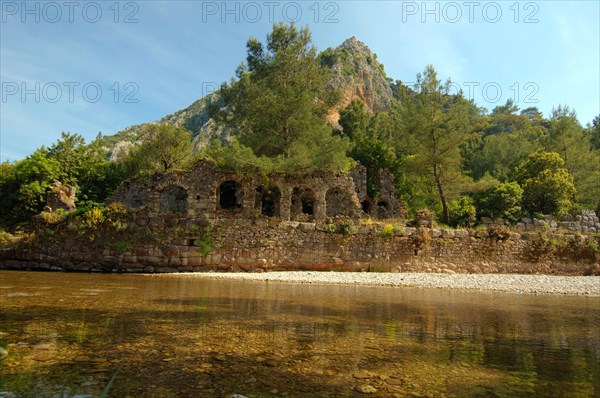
[
  {"x": 267, "y": 201},
  {"x": 302, "y": 207},
  {"x": 230, "y": 195}
]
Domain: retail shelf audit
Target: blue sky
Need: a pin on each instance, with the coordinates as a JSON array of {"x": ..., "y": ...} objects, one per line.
[{"x": 89, "y": 67}]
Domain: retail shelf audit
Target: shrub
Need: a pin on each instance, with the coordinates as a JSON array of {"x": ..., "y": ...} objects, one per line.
[
  {"x": 462, "y": 212},
  {"x": 205, "y": 244},
  {"x": 548, "y": 186},
  {"x": 122, "y": 246},
  {"x": 5, "y": 238},
  {"x": 387, "y": 231},
  {"x": 51, "y": 217},
  {"x": 499, "y": 232},
  {"x": 93, "y": 219},
  {"x": 502, "y": 201},
  {"x": 346, "y": 229}
]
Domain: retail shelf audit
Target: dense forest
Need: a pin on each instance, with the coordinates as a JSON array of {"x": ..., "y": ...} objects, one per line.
[{"x": 447, "y": 154}]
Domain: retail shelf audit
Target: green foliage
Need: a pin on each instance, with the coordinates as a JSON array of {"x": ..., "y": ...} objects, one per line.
[
  {"x": 106, "y": 390},
  {"x": 346, "y": 228},
  {"x": 547, "y": 186},
  {"x": 372, "y": 139},
  {"x": 462, "y": 212},
  {"x": 498, "y": 155},
  {"x": 122, "y": 246},
  {"x": 205, "y": 245},
  {"x": 205, "y": 241},
  {"x": 25, "y": 183},
  {"x": 437, "y": 124},
  {"x": 340, "y": 227},
  {"x": 572, "y": 142},
  {"x": 5, "y": 238},
  {"x": 424, "y": 215},
  {"x": 277, "y": 107},
  {"x": 594, "y": 131},
  {"x": 501, "y": 202},
  {"x": 387, "y": 231},
  {"x": 163, "y": 148}
]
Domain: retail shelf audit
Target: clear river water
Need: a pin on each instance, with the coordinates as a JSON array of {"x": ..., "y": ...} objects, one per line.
[{"x": 67, "y": 335}]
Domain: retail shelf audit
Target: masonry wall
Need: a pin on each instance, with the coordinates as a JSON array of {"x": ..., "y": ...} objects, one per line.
[{"x": 266, "y": 245}]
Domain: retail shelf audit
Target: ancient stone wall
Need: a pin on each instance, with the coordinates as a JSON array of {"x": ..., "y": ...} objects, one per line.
[
  {"x": 585, "y": 222},
  {"x": 60, "y": 197},
  {"x": 212, "y": 192},
  {"x": 265, "y": 245}
]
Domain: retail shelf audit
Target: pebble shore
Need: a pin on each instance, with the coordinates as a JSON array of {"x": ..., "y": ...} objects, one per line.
[{"x": 515, "y": 283}]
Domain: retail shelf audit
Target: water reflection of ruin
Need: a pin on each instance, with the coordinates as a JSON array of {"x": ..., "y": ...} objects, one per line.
[{"x": 209, "y": 191}]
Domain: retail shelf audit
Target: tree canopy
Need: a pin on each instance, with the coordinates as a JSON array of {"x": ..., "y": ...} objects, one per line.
[{"x": 278, "y": 103}]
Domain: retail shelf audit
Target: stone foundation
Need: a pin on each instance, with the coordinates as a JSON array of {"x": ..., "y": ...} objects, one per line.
[{"x": 267, "y": 244}]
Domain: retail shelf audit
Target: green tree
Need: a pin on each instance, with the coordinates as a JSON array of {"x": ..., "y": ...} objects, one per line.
[
  {"x": 499, "y": 155},
  {"x": 594, "y": 130},
  {"x": 163, "y": 148},
  {"x": 436, "y": 125},
  {"x": 86, "y": 167},
  {"x": 547, "y": 185},
  {"x": 462, "y": 212},
  {"x": 501, "y": 202},
  {"x": 371, "y": 136},
  {"x": 278, "y": 103},
  {"x": 572, "y": 142},
  {"x": 70, "y": 161}
]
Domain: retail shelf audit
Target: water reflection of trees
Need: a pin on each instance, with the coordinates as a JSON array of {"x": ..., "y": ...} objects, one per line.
[{"x": 185, "y": 337}]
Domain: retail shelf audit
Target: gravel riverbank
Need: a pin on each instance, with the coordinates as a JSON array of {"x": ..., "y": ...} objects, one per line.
[{"x": 520, "y": 284}]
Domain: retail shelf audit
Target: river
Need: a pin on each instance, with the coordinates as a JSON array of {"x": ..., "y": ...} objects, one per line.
[{"x": 67, "y": 335}]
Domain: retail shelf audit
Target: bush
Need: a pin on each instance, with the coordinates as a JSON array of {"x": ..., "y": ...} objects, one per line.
[
  {"x": 387, "y": 231},
  {"x": 502, "y": 201},
  {"x": 548, "y": 186},
  {"x": 122, "y": 246},
  {"x": 205, "y": 244},
  {"x": 346, "y": 229},
  {"x": 462, "y": 212},
  {"x": 5, "y": 238},
  {"x": 499, "y": 232}
]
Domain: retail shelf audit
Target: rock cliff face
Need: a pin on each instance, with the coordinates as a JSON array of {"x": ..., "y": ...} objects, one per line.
[{"x": 355, "y": 73}]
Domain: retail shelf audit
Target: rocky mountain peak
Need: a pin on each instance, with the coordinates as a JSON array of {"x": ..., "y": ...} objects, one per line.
[{"x": 357, "y": 74}]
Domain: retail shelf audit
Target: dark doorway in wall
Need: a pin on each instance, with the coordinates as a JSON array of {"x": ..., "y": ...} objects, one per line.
[
  {"x": 230, "y": 195},
  {"x": 366, "y": 206},
  {"x": 267, "y": 200},
  {"x": 303, "y": 203}
]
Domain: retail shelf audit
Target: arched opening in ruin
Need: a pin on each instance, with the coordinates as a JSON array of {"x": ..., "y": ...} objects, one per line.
[
  {"x": 303, "y": 203},
  {"x": 230, "y": 195},
  {"x": 338, "y": 203},
  {"x": 174, "y": 199},
  {"x": 267, "y": 200}
]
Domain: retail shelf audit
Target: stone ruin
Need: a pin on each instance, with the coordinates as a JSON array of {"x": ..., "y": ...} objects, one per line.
[
  {"x": 60, "y": 197},
  {"x": 212, "y": 192}
]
